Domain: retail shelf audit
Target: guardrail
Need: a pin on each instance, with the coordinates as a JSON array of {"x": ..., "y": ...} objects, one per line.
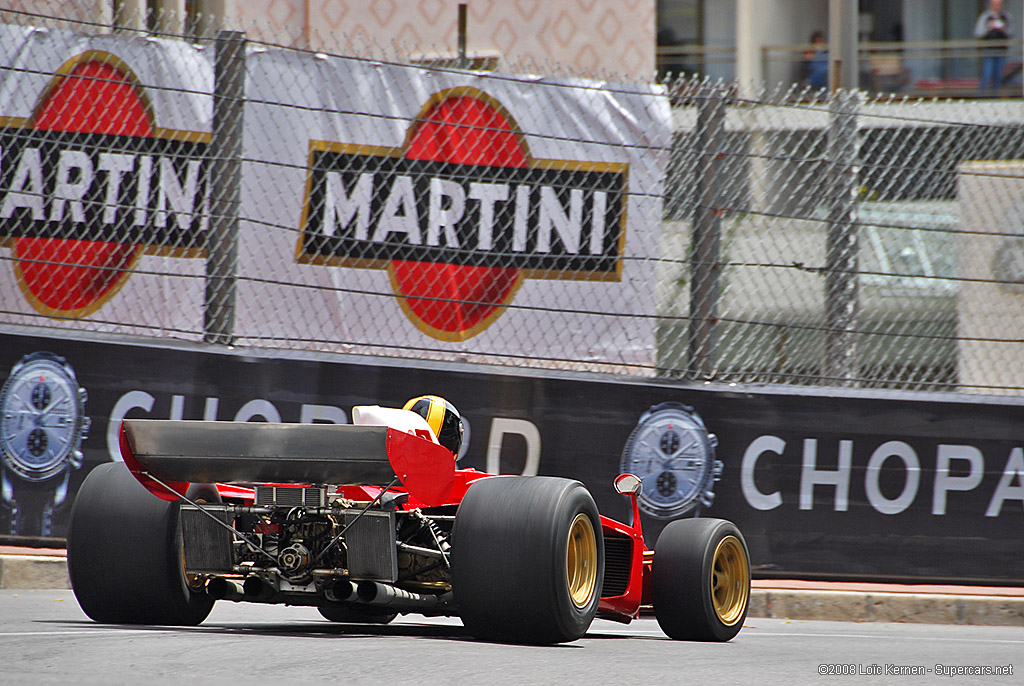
[{"x": 948, "y": 68}]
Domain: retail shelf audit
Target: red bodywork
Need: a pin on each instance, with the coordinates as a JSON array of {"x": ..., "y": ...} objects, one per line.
[{"x": 427, "y": 473}]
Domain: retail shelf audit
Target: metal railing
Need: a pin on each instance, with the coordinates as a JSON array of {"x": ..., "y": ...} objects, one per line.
[{"x": 947, "y": 68}]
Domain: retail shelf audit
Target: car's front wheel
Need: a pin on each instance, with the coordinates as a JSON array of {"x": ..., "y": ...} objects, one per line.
[{"x": 700, "y": 580}]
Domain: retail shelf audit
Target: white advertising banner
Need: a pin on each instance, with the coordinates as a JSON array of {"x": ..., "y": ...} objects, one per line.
[
  {"x": 103, "y": 182},
  {"x": 385, "y": 208}
]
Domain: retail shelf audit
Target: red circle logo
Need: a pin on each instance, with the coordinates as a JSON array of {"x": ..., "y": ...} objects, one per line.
[
  {"x": 94, "y": 93},
  {"x": 448, "y": 301}
]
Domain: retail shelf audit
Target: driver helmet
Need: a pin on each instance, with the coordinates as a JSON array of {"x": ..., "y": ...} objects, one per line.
[{"x": 444, "y": 420}]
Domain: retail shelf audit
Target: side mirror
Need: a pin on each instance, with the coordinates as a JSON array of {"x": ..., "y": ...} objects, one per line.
[{"x": 628, "y": 484}]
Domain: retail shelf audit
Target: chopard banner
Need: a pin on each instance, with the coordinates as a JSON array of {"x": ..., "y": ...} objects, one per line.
[
  {"x": 386, "y": 207},
  {"x": 828, "y": 484}
]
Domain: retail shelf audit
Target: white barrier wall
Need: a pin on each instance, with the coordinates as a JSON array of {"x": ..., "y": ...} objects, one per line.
[{"x": 991, "y": 268}]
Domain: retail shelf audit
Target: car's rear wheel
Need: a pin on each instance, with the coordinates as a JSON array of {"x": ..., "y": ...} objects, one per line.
[
  {"x": 700, "y": 580},
  {"x": 527, "y": 559},
  {"x": 354, "y": 614},
  {"x": 125, "y": 554}
]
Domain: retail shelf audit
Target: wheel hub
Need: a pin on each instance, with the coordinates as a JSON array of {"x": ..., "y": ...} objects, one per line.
[
  {"x": 581, "y": 561},
  {"x": 730, "y": 587}
]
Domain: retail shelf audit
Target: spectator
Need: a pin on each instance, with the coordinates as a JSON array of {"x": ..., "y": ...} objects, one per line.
[
  {"x": 814, "y": 68},
  {"x": 992, "y": 25}
]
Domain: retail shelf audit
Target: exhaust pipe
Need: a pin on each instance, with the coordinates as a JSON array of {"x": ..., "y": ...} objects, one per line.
[
  {"x": 224, "y": 589},
  {"x": 256, "y": 589},
  {"x": 376, "y": 593},
  {"x": 341, "y": 590}
]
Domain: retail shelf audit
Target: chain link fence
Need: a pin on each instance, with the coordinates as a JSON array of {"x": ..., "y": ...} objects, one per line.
[
  {"x": 240, "y": 193},
  {"x": 845, "y": 227}
]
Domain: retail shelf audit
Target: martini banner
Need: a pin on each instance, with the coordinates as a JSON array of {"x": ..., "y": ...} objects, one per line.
[{"x": 383, "y": 207}]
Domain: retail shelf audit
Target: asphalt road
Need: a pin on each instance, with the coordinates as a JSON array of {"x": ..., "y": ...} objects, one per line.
[{"x": 45, "y": 638}]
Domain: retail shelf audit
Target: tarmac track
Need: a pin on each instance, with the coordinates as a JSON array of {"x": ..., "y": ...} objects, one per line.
[
  {"x": 45, "y": 638},
  {"x": 39, "y": 568}
]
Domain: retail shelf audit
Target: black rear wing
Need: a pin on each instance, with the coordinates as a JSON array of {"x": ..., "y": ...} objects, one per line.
[{"x": 179, "y": 451}]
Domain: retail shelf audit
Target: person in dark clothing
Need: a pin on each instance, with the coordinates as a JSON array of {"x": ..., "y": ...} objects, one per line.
[{"x": 993, "y": 24}]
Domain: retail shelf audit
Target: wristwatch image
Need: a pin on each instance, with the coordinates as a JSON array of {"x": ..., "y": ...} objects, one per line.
[
  {"x": 42, "y": 424},
  {"x": 674, "y": 455}
]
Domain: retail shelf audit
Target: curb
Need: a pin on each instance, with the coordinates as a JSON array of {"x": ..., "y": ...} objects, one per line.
[
  {"x": 33, "y": 571},
  {"x": 981, "y": 606},
  {"x": 861, "y": 606}
]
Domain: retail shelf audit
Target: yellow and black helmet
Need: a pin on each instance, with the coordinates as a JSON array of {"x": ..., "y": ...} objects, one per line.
[{"x": 443, "y": 418}]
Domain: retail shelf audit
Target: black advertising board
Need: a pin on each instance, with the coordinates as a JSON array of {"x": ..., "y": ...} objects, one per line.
[{"x": 824, "y": 483}]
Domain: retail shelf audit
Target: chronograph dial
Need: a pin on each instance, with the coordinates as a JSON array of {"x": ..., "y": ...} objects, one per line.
[
  {"x": 42, "y": 423},
  {"x": 674, "y": 455}
]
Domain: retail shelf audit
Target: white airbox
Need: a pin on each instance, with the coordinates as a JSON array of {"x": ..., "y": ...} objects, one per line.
[{"x": 401, "y": 420}]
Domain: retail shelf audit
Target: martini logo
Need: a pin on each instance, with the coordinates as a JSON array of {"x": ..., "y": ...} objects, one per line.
[
  {"x": 462, "y": 213},
  {"x": 89, "y": 183}
]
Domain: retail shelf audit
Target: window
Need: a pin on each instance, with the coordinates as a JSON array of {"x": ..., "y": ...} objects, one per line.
[{"x": 680, "y": 33}]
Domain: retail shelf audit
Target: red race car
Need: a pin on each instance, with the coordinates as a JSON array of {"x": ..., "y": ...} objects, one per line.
[{"x": 369, "y": 520}]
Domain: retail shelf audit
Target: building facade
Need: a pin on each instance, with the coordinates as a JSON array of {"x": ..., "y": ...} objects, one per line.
[
  {"x": 593, "y": 37},
  {"x": 917, "y": 47}
]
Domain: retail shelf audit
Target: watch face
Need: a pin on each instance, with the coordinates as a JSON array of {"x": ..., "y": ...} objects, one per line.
[
  {"x": 670, "y": 452},
  {"x": 40, "y": 418}
]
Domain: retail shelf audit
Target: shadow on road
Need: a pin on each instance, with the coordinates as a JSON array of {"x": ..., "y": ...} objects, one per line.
[{"x": 448, "y": 632}]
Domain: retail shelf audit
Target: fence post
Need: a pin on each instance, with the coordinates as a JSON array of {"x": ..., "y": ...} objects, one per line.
[
  {"x": 841, "y": 258},
  {"x": 225, "y": 175},
  {"x": 462, "y": 61},
  {"x": 706, "y": 240}
]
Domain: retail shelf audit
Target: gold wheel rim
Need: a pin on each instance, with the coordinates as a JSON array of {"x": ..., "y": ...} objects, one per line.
[
  {"x": 730, "y": 580},
  {"x": 581, "y": 561}
]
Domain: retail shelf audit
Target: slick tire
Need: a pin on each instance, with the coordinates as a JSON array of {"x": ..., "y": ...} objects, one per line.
[
  {"x": 125, "y": 554},
  {"x": 700, "y": 580},
  {"x": 527, "y": 559}
]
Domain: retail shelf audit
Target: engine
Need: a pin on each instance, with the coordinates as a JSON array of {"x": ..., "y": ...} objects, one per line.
[{"x": 298, "y": 545}]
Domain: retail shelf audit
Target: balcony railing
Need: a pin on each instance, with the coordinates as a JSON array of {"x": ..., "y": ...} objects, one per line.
[{"x": 949, "y": 68}]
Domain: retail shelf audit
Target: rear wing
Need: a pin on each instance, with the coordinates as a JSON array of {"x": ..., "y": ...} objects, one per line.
[{"x": 177, "y": 452}]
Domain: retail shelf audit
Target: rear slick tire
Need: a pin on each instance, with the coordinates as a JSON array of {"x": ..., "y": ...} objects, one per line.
[
  {"x": 527, "y": 559},
  {"x": 125, "y": 554},
  {"x": 700, "y": 580}
]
